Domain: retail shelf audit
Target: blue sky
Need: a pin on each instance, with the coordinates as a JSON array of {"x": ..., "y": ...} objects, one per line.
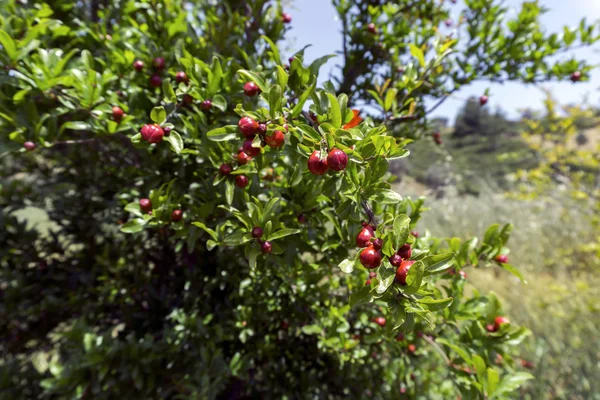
[{"x": 314, "y": 22}]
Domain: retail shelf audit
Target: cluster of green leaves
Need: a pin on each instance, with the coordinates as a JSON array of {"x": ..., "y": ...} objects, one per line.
[{"x": 193, "y": 309}]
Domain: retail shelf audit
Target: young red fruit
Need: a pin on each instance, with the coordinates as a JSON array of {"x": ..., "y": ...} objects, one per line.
[
  {"x": 262, "y": 128},
  {"x": 575, "y": 76},
  {"x": 379, "y": 321},
  {"x": 400, "y": 337},
  {"x": 266, "y": 247},
  {"x": 138, "y": 65},
  {"x": 159, "y": 63},
  {"x": 377, "y": 244},
  {"x": 155, "y": 81},
  {"x": 277, "y": 139},
  {"x": 243, "y": 158},
  {"x": 363, "y": 239},
  {"x": 176, "y": 215},
  {"x": 483, "y": 100},
  {"x": 117, "y": 113},
  {"x": 412, "y": 348},
  {"x": 181, "y": 77},
  {"x": 415, "y": 234},
  {"x": 402, "y": 271},
  {"x": 372, "y": 274},
  {"x": 248, "y": 127},
  {"x": 248, "y": 149},
  {"x": 316, "y": 165},
  {"x": 145, "y": 205},
  {"x": 499, "y": 321},
  {"x": 302, "y": 218},
  {"x": 152, "y": 133},
  {"x": 462, "y": 274},
  {"x": 257, "y": 232},
  {"x": 225, "y": 169},
  {"x": 490, "y": 328},
  {"x": 370, "y": 258},
  {"x": 405, "y": 251},
  {"x": 395, "y": 260},
  {"x": 286, "y": 18},
  {"x": 188, "y": 99},
  {"x": 206, "y": 105},
  {"x": 501, "y": 258},
  {"x": 167, "y": 130},
  {"x": 372, "y": 28},
  {"x": 241, "y": 181},
  {"x": 251, "y": 89},
  {"x": 29, "y": 146},
  {"x": 368, "y": 282},
  {"x": 337, "y": 160}
]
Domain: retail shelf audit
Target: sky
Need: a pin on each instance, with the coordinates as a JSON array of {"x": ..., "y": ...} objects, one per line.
[{"x": 314, "y": 22}]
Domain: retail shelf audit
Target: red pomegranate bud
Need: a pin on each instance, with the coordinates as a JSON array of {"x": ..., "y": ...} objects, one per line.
[
  {"x": 248, "y": 127},
  {"x": 225, "y": 169},
  {"x": 152, "y": 133},
  {"x": 251, "y": 89},
  {"x": 29, "y": 146},
  {"x": 181, "y": 77},
  {"x": 117, "y": 113},
  {"x": 276, "y": 139},
  {"x": 145, "y": 205},
  {"x": 257, "y": 232},
  {"x": 241, "y": 181},
  {"x": 159, "y": 63},
  {"x": 266, "y": 247},
  {"x": 405, "y": 251},
  {"x": 402, "y": 271},
  {"x": 370, "y": 258},
  {"x": 316, "y": 165},
  {"x": 138, "y": 65},
  {"x": 248, "y": 149},
  {"x": 337, "y": 160},
  {"x": 363, "y": 239},
  {"x": 176, "y": 215}
]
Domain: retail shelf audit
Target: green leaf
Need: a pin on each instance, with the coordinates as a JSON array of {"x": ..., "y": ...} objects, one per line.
[
  {"x": 401, "y": 230},
  {"x": 229, "y": 191},
  {"x": 387, "y": 196},
  {"x": 8, "y": 45},
  {"x": 253, "y": 255},
  {"x": 254, "y": 77},
  {"x": 219, "y": 103},
  {"x": 347, "y": 265},
  {"x": 303, "y": 97},
  {"x": 480, "y": 368},
  {"x": 158, "y": 115},
  {"x": 436, "y": 304},
  {"x": 275, "y": 100},
  {"x": 418, "y": 54},
  {"x": 134, "y": 208},
  {"x": 282, "y": 77},
  {"x": 492, "y": 381},
  {"x": 215, "y": 79},
  {"x": 312, "y": 330},
  {"x": 386, "y": 276},
  {"x": 318, "y": 63},
  {"x": 360, "y": 297},
  {"x": 205, "y": 228},
  {"x": 283, "y": 233},
  {"x": 133, "y": 226},
  {"x": 464, "y": 354},
  {"x": 169, "y": 92},
  {"x": 335, "y": 112},
  {"x": 511, "y": 382},
  {"x": 309, "y": 133},
  {"x": 438, "y": 263},
  {"x": 223, "y": 133},
  {"x": 236, "y": 364},
  {"x": 513, "y": 270},
  {"x": 175, "y": 141},
  {"x": 274, "y": 50},
  {"x": 235, "y": 239},
  {"x": 75, "y": 126},
  {"x": 390, "y": 96}
]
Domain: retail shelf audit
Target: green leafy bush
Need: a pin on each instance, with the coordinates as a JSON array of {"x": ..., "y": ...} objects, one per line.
[{"x": 125, "y": 121}]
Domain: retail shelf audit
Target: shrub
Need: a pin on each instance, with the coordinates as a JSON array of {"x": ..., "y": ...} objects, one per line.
[{"x": 175, "y": 297}]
